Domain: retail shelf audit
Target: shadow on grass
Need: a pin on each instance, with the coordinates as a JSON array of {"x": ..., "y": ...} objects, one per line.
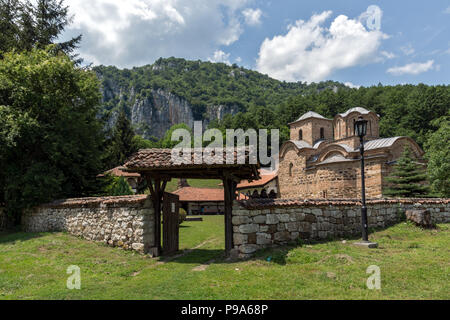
[
  {"x": 17, "y": 235},
  {"x": 279, "y": 253}
]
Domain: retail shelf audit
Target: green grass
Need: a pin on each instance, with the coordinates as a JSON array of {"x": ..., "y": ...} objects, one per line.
[
  {"x": 414, "y": 264},
  {"x": 198, "y": 183}
]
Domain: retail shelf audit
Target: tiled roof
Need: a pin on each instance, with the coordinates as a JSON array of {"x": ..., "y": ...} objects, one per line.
[
  {"x": 119, "y": 173},
  {"x": 97, "y": 201},
  {"x": 357, "y": 109},
  {"x": 162, "y": 159},
  {"x": 380, "y": 143},
  {"x": 300, "y": 144},
  {"x": 335, "y": 159},
  {"x": 311, "y": 114},
  {"x": 193, "y": 194},
  {"x": 279, "y": 203},
  {"x": 265, "y": 179}
]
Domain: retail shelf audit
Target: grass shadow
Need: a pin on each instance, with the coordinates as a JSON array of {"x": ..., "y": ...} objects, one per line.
[{"x": 17, "y": 235}]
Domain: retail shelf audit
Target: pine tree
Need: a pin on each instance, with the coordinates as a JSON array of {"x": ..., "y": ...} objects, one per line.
[
  {"x": 122, "y": 145},
  {"x": 52, "y": 17},
  {"x": 408, "y": 178},
  {"x": 25, "y": 25},
  {"x": 119, "y": 187},
  {"x": 9, "y": 24}
]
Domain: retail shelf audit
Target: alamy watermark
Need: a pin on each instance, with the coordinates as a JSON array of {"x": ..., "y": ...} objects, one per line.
[
  {"x": 241, "y": 147},
  {"x": 74, "y": 281},
  {"x": 374, "y": 281},
  {"x": 373, "y": 16}
]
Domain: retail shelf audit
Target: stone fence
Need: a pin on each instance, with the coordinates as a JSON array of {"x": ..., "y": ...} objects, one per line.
[
  {"x": 126, "y": 221},
  {"x": 266, "y": 222}
]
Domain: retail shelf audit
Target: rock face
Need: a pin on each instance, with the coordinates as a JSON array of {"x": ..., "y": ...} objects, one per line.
[{"x": 155, "y": 113}]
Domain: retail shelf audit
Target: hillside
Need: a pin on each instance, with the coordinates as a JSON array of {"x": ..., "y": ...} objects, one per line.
[{"x": 172, "y": 91}]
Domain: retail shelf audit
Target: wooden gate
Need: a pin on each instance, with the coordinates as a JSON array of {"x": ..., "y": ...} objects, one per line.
[{"x": 171, "y": 208}]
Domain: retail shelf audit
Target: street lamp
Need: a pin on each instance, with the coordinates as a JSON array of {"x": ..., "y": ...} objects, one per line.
[{"x": 361, "y": 131}]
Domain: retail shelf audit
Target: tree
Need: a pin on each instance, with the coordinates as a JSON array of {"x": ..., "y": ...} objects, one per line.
[
  {"x": 119, "y": 187},
  {"x": 122, "y": 143},
  {"x": 51, "y": 18},
  {"x": 408, "y": 178},
  {"x": 51, "y": 137},
  {"x": 38, "y": 24},
  {"x": 438, "y": 155},
  {"x": 9, "y": 17}
]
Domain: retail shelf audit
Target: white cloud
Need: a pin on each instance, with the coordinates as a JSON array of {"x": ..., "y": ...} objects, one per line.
[
  {"x": 412, "y": 68},
  {"x": 135, "y": 32},
  {"x": 252, "y": 16},
  {"x": 220, "y": 56},
  {"x": 408, "y": 50},
  {"x": 351, "y": 85},
  {"x": 311, "y": 52},
  {"x": 388, "y": 55}
]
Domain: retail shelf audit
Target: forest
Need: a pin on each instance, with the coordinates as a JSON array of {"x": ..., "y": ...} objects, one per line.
[{"x": 54, "y": 139}]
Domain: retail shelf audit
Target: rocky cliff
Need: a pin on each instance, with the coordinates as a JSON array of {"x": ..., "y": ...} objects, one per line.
[
  {"x": 153, "y": 115},
  {"x": 173, "y": 91}
]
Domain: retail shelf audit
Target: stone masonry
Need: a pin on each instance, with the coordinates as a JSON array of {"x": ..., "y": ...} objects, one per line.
[
  {"x": 126, "y": 221},
  {"x": 261, "y": 223}
]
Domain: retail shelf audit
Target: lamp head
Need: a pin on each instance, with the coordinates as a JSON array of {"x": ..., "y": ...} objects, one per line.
[{"x": 361, "y": 127}]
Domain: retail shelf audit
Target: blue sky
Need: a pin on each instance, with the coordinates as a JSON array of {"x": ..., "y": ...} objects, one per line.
[{"x": 352, "y": 41}]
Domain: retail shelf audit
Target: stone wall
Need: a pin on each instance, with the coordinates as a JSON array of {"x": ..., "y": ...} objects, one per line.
[
  {"x": 260, "y": 223},
  {"x": 126, "y": 221}
]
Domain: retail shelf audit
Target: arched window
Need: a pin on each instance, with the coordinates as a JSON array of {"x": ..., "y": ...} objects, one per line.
[
  {"x": 300, "y": 134},
  {"x": 264, "y": 194},
  {"x": 272, "y": 194},
  {"x": 291, "y": 166},
  {"x": 255, "y": 194},
  {"x": 322, "y": 134}
]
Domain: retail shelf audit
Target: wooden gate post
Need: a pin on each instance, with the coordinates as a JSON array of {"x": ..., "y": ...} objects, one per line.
[
  {"x": 157, "y": 192},
  {"x": 230, "y": 192}
]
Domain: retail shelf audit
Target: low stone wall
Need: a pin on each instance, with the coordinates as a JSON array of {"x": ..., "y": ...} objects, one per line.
[
  {"x": 126, "y": 221},
  {"x": 266, "y": 222}
]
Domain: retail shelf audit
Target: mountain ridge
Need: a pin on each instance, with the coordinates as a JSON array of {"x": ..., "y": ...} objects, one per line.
[{"x": 175, "y": 90}]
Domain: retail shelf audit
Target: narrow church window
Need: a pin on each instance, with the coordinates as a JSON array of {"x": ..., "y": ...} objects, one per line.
[
  {"x": 290, "y": 169},
  {"x": 300, "y": 135},
  {"x": 322, "y": 134}
]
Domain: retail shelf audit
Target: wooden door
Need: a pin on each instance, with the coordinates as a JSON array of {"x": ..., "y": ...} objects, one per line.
[{"x": 171, "y": 208}]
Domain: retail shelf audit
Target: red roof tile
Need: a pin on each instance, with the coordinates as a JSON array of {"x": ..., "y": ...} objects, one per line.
[
  {"x": 118, "y": 172},
  {"x": 265, "y": 179}
]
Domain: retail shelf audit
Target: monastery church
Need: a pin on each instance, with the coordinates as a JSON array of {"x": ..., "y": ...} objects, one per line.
[{"x": 322, "y": 158}]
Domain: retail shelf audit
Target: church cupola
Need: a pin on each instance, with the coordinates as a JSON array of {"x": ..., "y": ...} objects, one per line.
[{"x": 311, "y": 128}]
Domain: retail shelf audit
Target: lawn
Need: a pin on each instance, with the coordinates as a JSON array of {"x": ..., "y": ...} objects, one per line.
[
  {"x": 172, "y": 185},
  {"x": 414, "y": 264}
]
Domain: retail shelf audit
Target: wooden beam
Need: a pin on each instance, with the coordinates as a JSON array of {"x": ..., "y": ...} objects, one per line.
[{"x": 228, "y": 195}]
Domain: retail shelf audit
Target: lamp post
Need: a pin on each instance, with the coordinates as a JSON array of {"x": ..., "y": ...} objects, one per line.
[{"x": 361, "y": 131}]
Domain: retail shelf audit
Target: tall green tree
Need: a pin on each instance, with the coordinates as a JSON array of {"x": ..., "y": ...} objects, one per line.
[
  {"x": 122, "y": 143},
  {"x": 408, "y": 178},
  {"x": 28, "y": 24},
  {"x": 119, "y": 187},
  {"x": 438, "y": 155},
  {"x": 50, "y": 135},
  {"x": 9, "y": 24}
]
